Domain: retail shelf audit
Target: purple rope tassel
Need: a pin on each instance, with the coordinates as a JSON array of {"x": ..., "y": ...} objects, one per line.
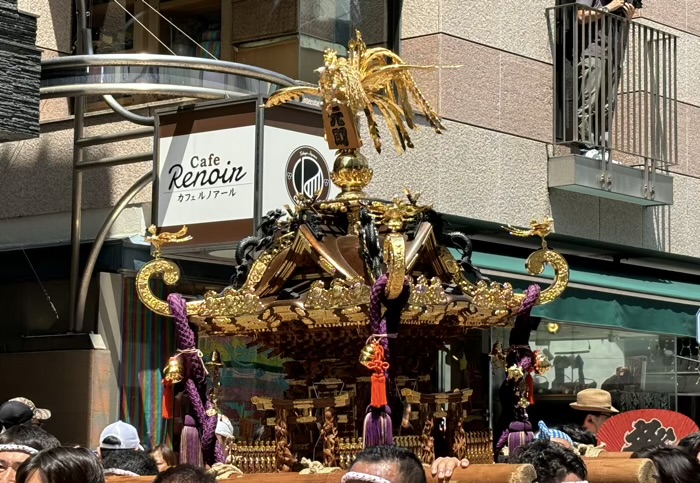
[
  {"x": 519, "y": 432},
  {"x": 196, "y": 384},
  {"x": 378, "y": 428}
]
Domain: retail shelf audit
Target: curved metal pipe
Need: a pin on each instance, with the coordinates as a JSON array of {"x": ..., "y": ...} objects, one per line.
[
  {"x": 140, "y": 184},
  {"x": 128, "y": 115},
  {"x": 158, "y": 60},
  {"x": 71, "y": 90}
]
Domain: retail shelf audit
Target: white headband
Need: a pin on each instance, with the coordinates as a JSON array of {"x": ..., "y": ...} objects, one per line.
[
  {"x": 355, "y": 476},
  {"x": 119, "y": 472},
  {"x": 18, "y": 448}
]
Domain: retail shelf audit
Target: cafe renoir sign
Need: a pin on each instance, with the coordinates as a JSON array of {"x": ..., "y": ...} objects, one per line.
[{"x": 211, "y": 178}]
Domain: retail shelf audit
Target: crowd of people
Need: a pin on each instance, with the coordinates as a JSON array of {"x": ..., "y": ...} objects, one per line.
[{"x": 29, "y": 454}]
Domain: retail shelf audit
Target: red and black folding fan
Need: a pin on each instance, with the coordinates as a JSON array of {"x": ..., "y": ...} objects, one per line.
[{"x": 635, "y": 430}]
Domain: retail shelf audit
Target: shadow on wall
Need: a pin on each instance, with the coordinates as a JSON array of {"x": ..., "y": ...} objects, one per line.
[
  {"x": 38, "y": 175},
  {"x": 611, "y": 221},
  {"x": 38, "y": 172},
  {"x": 59, "y": 381}
]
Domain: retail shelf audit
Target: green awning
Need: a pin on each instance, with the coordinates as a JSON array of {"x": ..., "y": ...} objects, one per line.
[{"x": 636, "y": 303}]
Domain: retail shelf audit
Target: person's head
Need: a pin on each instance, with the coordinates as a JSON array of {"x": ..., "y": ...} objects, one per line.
[
  {"x": 578, "y": 434},
  {"x": 691, "y": 444},
  {"x": 119, "y": 436},
  {"x": 39, "y": 415},
  {"x": 61, "y": 465},
  {"x": 17, "y": 444},
  {"x": 597, "y": 406},
  {"x": 164, "y": 456},
  {"x": 593, "y": 421},
  {"x": 14, "y": 413},
  {"x": 674, "y": 465},
  {"x": 553, "y": 463},
  {"x": 184, "y": 474},
  {"x": 554, "y": 435},
  {"x": 131, "y": 463},
  {"x": 382, "y": 464},
  {"x": 224, "y": 430}
]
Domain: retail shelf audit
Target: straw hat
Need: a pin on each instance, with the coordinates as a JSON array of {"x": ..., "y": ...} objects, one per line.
[{"x": 594, "y": 401}]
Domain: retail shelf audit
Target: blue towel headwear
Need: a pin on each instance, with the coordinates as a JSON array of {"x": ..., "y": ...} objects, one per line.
[{"x": 547, "y": 434}]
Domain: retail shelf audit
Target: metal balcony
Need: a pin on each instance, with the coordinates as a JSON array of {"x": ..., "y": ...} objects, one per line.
[{"x": 615, "y": 110}]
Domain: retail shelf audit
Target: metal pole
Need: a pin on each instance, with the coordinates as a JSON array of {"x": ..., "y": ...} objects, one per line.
[
  {"x": 76, "y": 208},
  {"x": 128, "y": 115},
  {"x": 83, "y": 45},
  {"x": 115, "y": 161},
  {"x": 126, "y": 198},
  {"x": 118, "y": 137}
]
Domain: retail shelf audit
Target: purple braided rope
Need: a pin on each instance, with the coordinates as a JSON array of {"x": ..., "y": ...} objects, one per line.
[
  {"x": 186, "y": 340},
  {"x": 196, "y": 384},
  {"x": 531, "y": 295},
  {"x": 375, "y": 310}
]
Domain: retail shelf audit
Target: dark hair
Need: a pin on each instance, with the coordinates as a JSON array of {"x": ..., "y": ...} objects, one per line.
[
  {"x": 410, "y": 467},
  {"x": 691, "y": 443},
  {"x": 578, "y": 434},
  {"x": 63, "y": 465},
  {"x": 552, "y": 461},
  {"x": 184, "y": 474},
  {"x": 675, "y": 465},
  {"x": 168, "y": 454},
  {"x": 111, "y": 441},
  {"x": 135, "y": 461},
  {"x": 29, "y": 435}
]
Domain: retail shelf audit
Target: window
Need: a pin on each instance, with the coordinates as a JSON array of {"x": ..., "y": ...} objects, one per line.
[
  {"x": 640, "y": 370},
  {"x": 287, "y": 36}
]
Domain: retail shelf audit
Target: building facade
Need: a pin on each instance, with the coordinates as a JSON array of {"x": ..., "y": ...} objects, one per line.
[{"x": 635, "y": 260}]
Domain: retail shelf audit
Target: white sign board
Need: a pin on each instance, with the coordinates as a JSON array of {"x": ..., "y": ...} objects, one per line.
[
  {"x": 206, "y": 177},
  {"x": 295, "y": 162}
]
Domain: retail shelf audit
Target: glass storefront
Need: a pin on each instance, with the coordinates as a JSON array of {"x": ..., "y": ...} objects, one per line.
[{"x": 640, "y": 370}]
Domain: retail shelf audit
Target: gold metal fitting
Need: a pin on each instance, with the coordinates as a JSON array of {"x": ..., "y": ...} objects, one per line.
[
  {"x": 351, "y": 173},
  {"x": 174, "y": 372},
  {"x": 367, "y": 354}
]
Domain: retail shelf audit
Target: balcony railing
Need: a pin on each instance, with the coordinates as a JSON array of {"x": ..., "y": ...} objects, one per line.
[{"x": 615, "y": 87}]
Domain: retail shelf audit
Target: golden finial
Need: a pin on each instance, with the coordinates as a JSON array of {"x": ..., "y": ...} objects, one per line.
[
  {"x": 159, "y": 239},
  {"x": 366, "y": 80},
  {"x": 537, "y": 228}
]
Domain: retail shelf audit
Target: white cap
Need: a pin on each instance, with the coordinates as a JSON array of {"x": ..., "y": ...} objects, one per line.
[
  {"x": 224, "y": 427},
  {"x": 126, "y": 434}
]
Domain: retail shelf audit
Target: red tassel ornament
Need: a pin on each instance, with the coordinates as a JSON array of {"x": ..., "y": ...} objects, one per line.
[
  {"x": 379, "y": 366},
  {"x": 168, "y": 400}
]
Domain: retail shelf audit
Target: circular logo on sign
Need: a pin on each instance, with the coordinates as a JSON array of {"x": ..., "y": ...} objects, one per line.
[{"x": 307, "y": 173}]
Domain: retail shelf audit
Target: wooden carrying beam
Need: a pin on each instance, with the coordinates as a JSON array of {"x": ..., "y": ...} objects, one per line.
[
  {"x": 614, "y": 454},
  {"x": 473, "y": 474},
  {"x": 618, "y": 470}
]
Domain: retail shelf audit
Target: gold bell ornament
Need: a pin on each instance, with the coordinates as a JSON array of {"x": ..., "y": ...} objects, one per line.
[
  {"x": 173, "y": 373},
  {"x": 367, "y": 354}
]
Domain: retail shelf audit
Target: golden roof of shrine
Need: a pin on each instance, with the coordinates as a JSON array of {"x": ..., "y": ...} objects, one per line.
[{"x": 314, "y": 265}]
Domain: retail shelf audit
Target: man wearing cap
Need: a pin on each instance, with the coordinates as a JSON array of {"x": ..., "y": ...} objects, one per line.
[
  {"x": 223, "y": 431},
  {"x": 39, "y": 415},
  {"x": 119, "y": 436},
  {"x": 597, "y": 404},
  {"x": 13, "y": 413},
  {"x": 18, "y": 444}
]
